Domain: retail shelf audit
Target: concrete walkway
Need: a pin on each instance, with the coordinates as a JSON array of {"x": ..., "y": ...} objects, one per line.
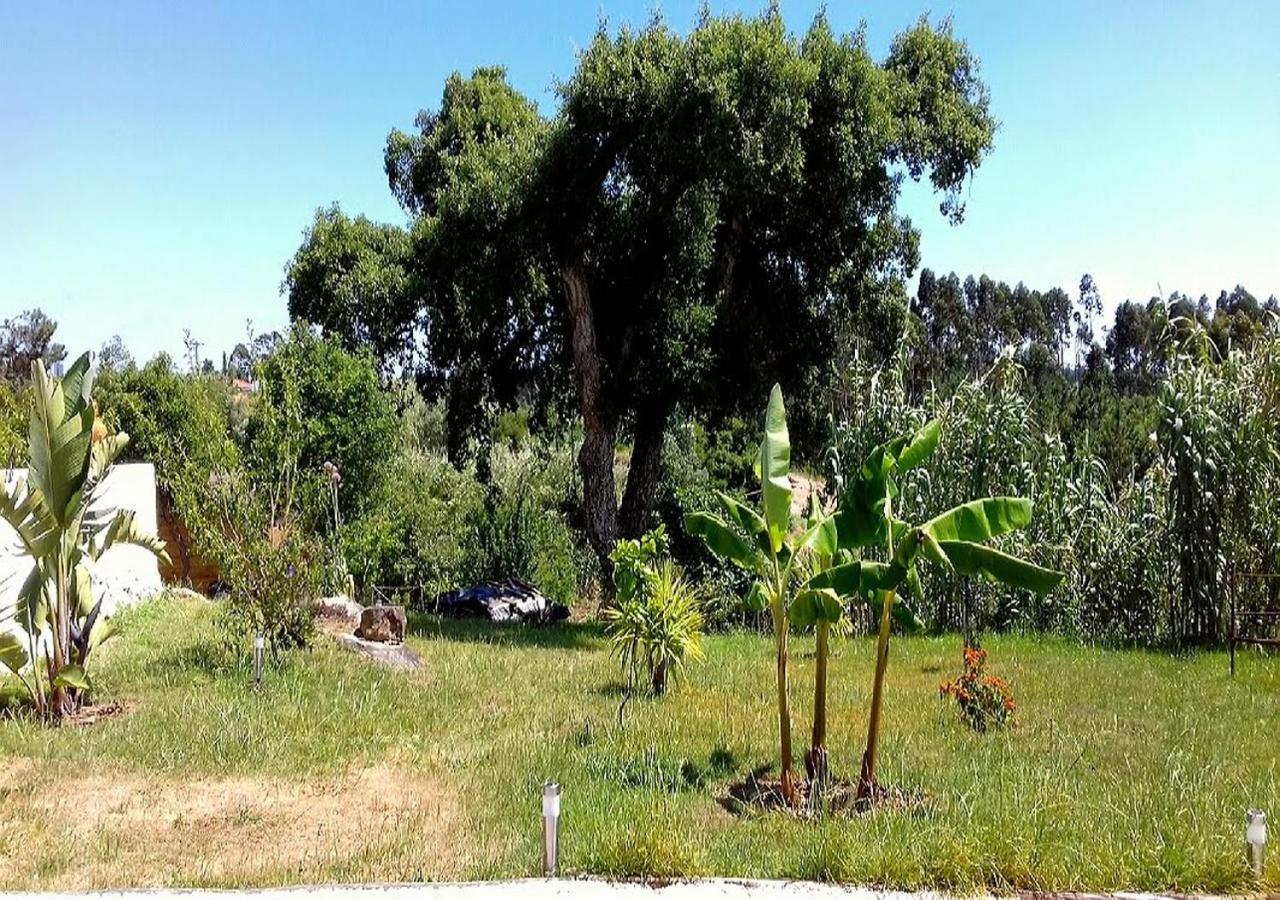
[{"x": 541, "y": 889}]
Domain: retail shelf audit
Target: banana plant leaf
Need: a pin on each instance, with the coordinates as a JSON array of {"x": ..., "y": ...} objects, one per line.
[
  {"x": 812, "y": 606},
  {"x": 26, "y": 511},
  {"x": 722, "y": 540},
  {"x": 13, "y": 656},
  {"x": 857, "y": 578},
  {"x": 915, "y": 448},
  {"x": 124, "y": 529},
  {"x": 901, "y": 613},
  {"x": 980, "y": 520},
  {"x": 72, "y": 676},
  {"x": 820, "y": 537},
  {"x": 747, "y": 519},
  {"x": 987, "y": 562},
  {"x": 773, "y": 465}
]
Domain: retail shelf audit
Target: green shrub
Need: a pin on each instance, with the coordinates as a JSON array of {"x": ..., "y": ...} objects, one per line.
[
  {"x": 328, "y": 405},
  {"x": 414, "y": 529},
  {"x": 430, "y": 527},
  {"x": 984, "y": 701},
  {"x": 13, "y": 425},
  {"x": 522, "y": 530},
  {"x": 686, "y": 487},
  {"x": 273, "y": 566}
]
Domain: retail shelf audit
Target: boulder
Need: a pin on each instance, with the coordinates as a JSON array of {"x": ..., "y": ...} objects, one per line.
[
  {"x": 501, "y": 601},
  {"x": 339, "y": 610},
  {"x": 393, "y": 656},
  {"x": 382, "y": 624}
]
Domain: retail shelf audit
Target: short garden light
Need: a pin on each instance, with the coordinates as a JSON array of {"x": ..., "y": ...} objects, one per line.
[
  {"x": 259, "y": 642},
  {"x": 550, "y": 828},
  {"x": 1255, "y": 835}
]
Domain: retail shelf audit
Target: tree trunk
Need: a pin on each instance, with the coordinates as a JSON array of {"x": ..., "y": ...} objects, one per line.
[
  {"x": 784, "y": 708},
  {"x": 595, "y": 459},
  {"x": 645, "y": 471},
  {"x": 867, "y": 777},
  {"x": 660, "y": 678},
  {"x": 816, "y": 762}
]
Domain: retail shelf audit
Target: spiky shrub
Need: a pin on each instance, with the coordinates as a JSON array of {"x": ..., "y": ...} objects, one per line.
[
  {"x": 64, "y": 533},
  {"x": 657, "y": 624}
]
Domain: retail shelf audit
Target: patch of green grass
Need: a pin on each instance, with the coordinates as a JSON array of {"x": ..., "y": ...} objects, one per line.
[{"x": 1124, "y": 769}]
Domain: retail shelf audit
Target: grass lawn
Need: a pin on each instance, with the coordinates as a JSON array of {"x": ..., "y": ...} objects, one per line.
[{"x": 1124, "y": 769}]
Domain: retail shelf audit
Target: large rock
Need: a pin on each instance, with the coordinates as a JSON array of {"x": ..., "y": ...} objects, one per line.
[
  {"x": 382, "y": 624},
  {"x": 339, "y": 611},
  {"x": 393, "y": 656},
  {"x": 501, "y": 601}
]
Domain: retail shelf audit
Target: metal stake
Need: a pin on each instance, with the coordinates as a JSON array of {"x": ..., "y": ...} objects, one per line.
[
  {"x": 259, "y": 642},
  {"x": 1255, "y": 835},
  {"x": 550, "y": 829}
]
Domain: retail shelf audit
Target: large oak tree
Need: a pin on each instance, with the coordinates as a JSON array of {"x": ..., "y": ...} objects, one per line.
[{"x": 701, "y": 215}]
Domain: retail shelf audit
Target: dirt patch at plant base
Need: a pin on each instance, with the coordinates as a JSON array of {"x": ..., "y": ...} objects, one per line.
[
  {"x": 93, "y": 713},
  {"x": 378, "y": 823},
  {"x": 755, "y": 795}
]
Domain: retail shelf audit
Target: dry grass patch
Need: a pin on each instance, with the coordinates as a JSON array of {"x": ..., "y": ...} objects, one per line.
[{"x": 123, "y": 830}]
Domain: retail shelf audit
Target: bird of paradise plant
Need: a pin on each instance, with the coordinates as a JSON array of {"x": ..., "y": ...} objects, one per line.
[{"x": 64, "y": 533}]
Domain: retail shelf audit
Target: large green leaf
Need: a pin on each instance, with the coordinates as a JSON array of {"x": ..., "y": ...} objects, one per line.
[
  {"x": 747, "y": 519},
  {"x": 756, "y": 600},
  {"x": 811, "y": 606},
  {"x": 23, "y": 507},
  {"x": 32, "y": 610},
  {"x": 77, "y": 384},
  {"x": 722, "y": 540},
  {"x": 72, "y": 676},
  {"x": 82, "y": 590},
  {"x": 913, "y": 449},
  {"x": 102, "y": 632},
  {"x": 987, "y": 562},
  {"x": 13, "y": 656},
  {"x": 104, "y": 454},
  {"x": 980, "y": 520},
  {"x": 857, "y": 578},
  {"x": 774, "y": 465},
  {"x": 124, "y": 529},
  {"x": 857, "y": 525},
  {"x": 820, "y": 537},
  {"x": 60, "y": 437},
  {"x": 900, "y": 612}
]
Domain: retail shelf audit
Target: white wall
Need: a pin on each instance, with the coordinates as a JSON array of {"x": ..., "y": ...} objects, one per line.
[{"x": 125, "y": 573}]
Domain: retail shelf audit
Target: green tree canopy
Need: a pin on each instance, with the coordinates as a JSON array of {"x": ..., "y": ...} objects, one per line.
[
  {"x": 700, "y": 216},
  {"x": 350, "y": 278}
]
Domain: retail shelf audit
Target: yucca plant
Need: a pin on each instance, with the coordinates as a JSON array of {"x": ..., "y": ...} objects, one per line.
[
  {"x": 955, "y": 540},
  {"x": 658, "y": 627},
  {"x": 64, "y": 534},
  {"x": 782, "y": 563}
]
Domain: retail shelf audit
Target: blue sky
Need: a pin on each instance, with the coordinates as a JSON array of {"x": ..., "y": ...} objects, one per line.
[{"x": 158, "y": 162}]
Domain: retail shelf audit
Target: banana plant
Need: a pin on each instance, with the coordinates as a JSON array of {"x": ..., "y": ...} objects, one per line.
[
  {"x": 819, "y": 609},
  {"x": 64, "y": 533},
  {"x": 955, "y": 541},
  {"x": 781, "y": 562}
]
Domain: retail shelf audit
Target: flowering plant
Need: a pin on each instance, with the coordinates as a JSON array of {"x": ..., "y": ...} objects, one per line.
[{"x": 985, "y": 701}]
